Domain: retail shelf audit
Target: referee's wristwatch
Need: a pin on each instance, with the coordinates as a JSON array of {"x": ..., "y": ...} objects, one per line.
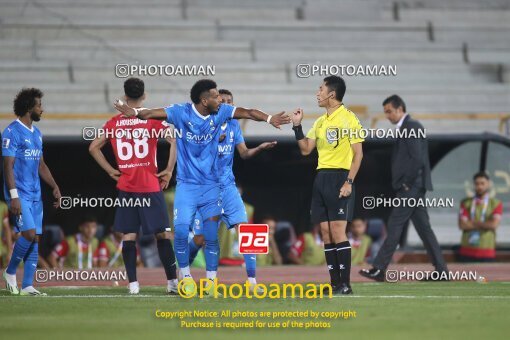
[{"x": 350, "y": 181}]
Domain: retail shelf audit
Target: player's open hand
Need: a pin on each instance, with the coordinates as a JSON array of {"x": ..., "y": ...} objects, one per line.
[
  {"x": 297, "y": 117},
  {"x": 126, "y": 110},
  {"x": 115, "y": 174},
  {"x": 279, "y": 119},
  {"x": 345, "y": 190},
  {"x": 57, "y": 195},
  {"x": 15, "y": 207},
  {"x": 164, "y": 178},
  {"x": 267, "y": 145}
]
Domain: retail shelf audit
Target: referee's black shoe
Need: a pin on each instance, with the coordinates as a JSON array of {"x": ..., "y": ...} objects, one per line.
[
  {"x": 373, "y": 274},
  {"x": 345, "y": 289},
  {"x": 340, "y": 289}
]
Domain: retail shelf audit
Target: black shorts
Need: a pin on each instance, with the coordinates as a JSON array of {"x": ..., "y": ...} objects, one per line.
[
  {"x": 153, "y": 218},
  {"x": 326, "y": 205}
]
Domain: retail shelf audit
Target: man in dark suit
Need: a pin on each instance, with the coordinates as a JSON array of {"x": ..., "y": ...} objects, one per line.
[{"x": 410, "y": 170}]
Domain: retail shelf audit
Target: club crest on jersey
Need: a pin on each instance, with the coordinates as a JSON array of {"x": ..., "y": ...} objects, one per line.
[
  {"x": 231, "y": 136},
  {"x": 332, "y": 134}
]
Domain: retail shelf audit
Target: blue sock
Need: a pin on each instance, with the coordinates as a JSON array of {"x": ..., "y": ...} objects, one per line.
[
  {"x": 193, "y": 250},
  {"x": 250, "y": 261},
  {"x": 212, "y": 248},
  {"x": 20, "y": 250},
  {"x": 181, "y": 245},
  {"x": 30, "y": 265}
]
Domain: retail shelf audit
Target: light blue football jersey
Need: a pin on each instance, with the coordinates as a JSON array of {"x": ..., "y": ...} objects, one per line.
[
  {"x": 197, "y": 148},
  {"x": 230, "y": 136},
  {"x": 26, "y": 146}
]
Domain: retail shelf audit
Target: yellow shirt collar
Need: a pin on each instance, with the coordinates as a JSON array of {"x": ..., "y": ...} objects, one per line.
[{"x": 331, "y": 116}]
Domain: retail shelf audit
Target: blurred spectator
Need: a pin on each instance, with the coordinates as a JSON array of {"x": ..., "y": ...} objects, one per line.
[
  {"x": 308, "y": 248},
  {"x": 6, "y": 236},
  {"x": 479, "y": 218},
  {"x": 273, "y": 257},
  {"x": 79, "y": 251},
  {"x": 52, "y": 236},
  {"x": 376, "y": 231},
  {"x": 285, "y": 237},
  {"x": 360, "y": 242}
]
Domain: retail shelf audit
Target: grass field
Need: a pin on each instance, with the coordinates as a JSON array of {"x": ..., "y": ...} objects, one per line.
[{"x": 448, "y": 310}]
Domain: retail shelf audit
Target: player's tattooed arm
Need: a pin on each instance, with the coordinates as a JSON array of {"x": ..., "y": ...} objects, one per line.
[
  {"x": 128, "y": 111},
  {"x": 246, "y": 153},
  {"x": 306, "y": 145},
  {"x": 47, "y": 177},
  {"x": 96, "y": 153},
  {"x": 15, "y": 206},
  {"x": 166, "y": 175},
  {"x": 257, "y": 115}
]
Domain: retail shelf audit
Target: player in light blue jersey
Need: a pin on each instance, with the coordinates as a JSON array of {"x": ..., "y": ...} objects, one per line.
[
  {"x": 198, "y": 181},
  {"x": 22, "y": 151},
  {"x": 234, "y": 212}
]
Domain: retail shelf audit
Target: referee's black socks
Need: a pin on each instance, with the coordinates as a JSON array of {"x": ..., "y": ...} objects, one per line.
[
  {"x": 332, "y": 262},
  {"x": 343, "y": 250}
]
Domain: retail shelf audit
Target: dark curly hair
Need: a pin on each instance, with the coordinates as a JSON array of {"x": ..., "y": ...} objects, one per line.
[
  {"x": 25, "y": 100},
  {"x": 200, "y": 87}
]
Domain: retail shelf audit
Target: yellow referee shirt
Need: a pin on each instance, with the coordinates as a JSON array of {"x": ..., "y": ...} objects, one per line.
[{"x": 333, "y": 136}]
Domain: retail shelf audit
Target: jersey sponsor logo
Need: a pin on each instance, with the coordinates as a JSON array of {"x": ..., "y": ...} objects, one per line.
[
  {"x": 253, "y": 239},
  {"x": 32, "y": 153},
  {"x": 223, "y": 149},
  {"x": 191, "y": 137},
  {"x": 5, "y": 143}
]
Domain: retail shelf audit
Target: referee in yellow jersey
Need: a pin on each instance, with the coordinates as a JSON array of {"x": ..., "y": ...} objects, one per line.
[{"x": 337, "y": 136}]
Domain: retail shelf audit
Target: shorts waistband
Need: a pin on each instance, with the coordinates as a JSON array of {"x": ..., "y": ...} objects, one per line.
[{"x": 332, "y": 170}]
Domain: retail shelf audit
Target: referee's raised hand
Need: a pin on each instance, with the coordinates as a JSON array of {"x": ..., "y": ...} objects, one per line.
[{"x": 297, "y": 117}]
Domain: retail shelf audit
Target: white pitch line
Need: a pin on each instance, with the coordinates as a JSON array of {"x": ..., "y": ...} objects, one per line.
[{"x": 223, "y": 299}]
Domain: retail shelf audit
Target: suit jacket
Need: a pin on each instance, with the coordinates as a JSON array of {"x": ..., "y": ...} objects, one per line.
[{"x": 410, "y": 163}]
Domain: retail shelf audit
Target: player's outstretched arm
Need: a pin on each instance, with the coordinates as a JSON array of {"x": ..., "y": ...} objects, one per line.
[
  {"x": 15, "y": 206},
  {"x": 306, "y": 145},
  {"x": 96, "y": 153},
  {"x": 246, "y": 153},
  {"x": 128, "y": 111},
  {"x": 257, "y": 115},
  {"x": 47, "y": 177}
]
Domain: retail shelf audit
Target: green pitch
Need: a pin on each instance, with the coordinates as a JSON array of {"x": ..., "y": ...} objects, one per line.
[{"x": 383, "y": 311}]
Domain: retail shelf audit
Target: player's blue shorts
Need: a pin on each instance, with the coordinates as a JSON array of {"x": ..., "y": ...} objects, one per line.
[
  {"x": 191, "y": 199},
  {"x": 233, "y": 212},
  {"x": 31, "y": 216},
  {"x": 153, "y": 218}
]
